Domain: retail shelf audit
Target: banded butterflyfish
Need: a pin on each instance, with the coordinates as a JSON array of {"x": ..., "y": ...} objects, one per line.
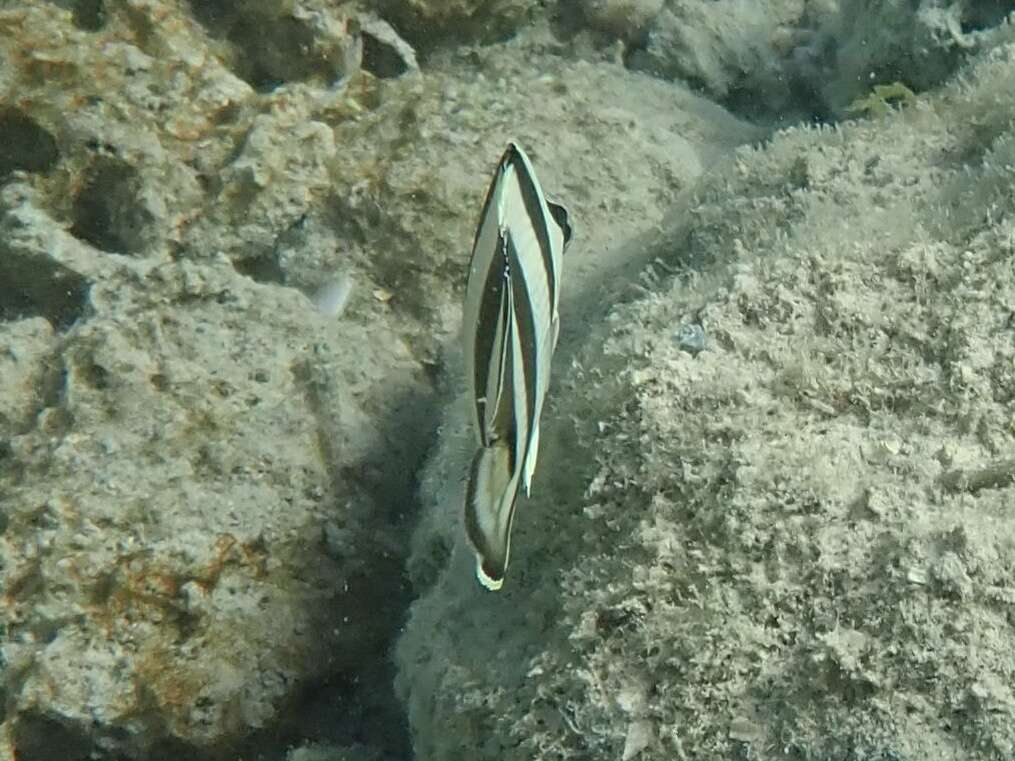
[{"x": 510, "y": 329}]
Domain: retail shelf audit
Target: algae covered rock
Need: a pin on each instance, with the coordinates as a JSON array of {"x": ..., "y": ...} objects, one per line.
[
  {"x": 427, "y": 22},
  {"x": 178, "y": 562},
  {"x": 797, "y": 541},
  {"x": 197, "y": 482}
]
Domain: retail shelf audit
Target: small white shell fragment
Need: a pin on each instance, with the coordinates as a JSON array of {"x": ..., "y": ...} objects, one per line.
[
  {"x": 915, "y": 575},
  {"x": 333, "y": 296}
]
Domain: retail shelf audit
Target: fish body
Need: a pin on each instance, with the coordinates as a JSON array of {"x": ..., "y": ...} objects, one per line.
[{"x": 511, "y": 325}]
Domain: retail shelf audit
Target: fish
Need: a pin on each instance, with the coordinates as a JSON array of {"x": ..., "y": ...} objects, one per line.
[{"x": 510, "y": 328}]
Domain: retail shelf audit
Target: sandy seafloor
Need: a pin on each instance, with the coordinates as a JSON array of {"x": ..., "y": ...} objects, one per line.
[{"x": 233, "y": 431}]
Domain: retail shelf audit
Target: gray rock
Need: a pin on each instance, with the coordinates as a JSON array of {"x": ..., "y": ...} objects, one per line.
[
  {"x": 784, "y": 60},
  {"x": 720, "y": 47},
  {"x": 863, "y": 44},
  {"x": 385, "y": 54},
  {"x": 164, "y": 509},
  {"x": 764, "y": 549},
  {"x": 25, "y": 344},
  {"x": 429, "y": 24},
  {"x": 623, "y": 19},
  {"x": 202, "y": 476}
]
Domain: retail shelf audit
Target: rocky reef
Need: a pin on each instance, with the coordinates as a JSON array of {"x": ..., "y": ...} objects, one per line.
[{"x": 771, "y": 517}]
